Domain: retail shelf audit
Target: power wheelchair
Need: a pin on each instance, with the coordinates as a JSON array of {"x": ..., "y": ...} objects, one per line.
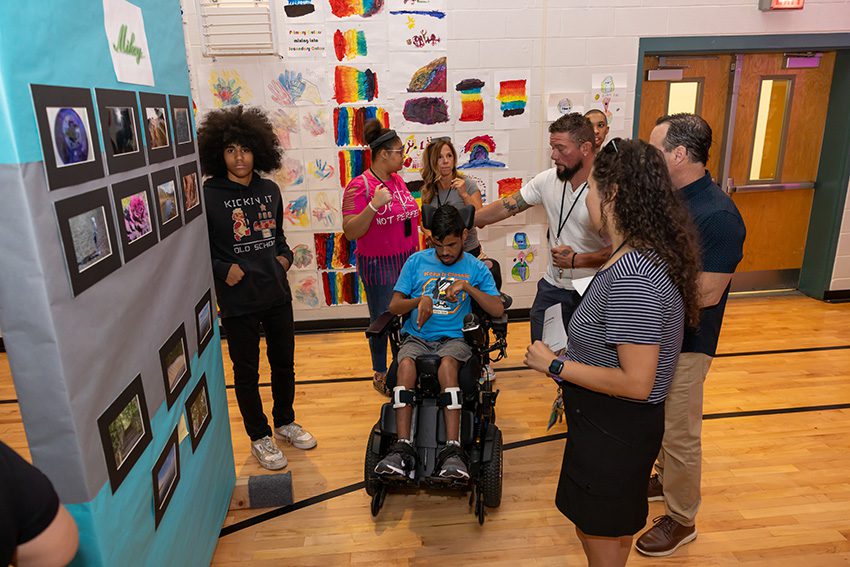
[{"x": 480, "y": 437}]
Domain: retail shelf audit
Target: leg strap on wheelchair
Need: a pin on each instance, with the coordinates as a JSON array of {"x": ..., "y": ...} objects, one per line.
[
  {"x": 451, "y": 399},
  {"x": 402, "y": 397}
]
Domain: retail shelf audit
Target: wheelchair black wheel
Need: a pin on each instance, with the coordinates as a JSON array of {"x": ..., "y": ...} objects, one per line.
[
  {"x": 479, "y": 509},
  {"x": 373, "y": 483},
  {"x": 378, "y": 499},
  {"x": 491, "y": 475}
]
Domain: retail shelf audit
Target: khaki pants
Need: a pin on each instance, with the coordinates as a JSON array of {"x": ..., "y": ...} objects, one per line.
[{"x": 679, "y": 463}]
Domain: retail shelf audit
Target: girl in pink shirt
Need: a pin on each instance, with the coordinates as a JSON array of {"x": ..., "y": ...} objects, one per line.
[{"x": 382, "y": 216}]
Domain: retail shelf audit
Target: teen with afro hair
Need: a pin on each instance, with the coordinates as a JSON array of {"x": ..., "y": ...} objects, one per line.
[{"x": 250, "y": 259}]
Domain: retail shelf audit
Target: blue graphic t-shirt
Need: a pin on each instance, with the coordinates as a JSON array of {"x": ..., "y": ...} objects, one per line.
[{"x": 424, "y": 273}]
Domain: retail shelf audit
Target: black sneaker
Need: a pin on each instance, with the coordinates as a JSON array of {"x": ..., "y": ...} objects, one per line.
[
  {"x": 452, "y": 463},
  {"x": 400, "y": 461}
]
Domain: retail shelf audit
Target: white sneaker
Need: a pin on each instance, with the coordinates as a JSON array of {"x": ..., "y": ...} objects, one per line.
[
  {"x": 295, "y": 435},
  {"x": 267, "y": 453}
]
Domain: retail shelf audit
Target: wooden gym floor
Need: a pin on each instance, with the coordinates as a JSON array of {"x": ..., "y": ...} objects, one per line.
[{"x": 776, "y": 474}]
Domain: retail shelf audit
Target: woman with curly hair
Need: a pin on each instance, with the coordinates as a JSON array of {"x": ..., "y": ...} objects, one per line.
[
  {"x": 443, "y": 184},
  {"x": 379, "y": 213},
  {"x": 250, "y": 259},
  {"x": 624, "y": 341}
]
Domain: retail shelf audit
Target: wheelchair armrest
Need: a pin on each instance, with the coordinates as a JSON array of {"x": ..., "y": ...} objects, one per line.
[{"x": 382, "y": 325}]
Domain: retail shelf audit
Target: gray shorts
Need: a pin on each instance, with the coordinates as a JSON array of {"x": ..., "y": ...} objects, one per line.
[{"x": 411, "y": 347}]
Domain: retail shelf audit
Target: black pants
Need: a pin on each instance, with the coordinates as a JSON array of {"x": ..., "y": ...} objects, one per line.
[
  {"x": 243, "y": 341},
  {"x": 547, "y": 296}
]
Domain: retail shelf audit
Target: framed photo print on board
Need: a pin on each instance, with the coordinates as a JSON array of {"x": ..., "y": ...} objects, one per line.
[
  {"x": 184, "y": 137},
  {"x": 119, "y": 124},
  {"x": 166, "y": 475},
  {"x": 191, "y": 188},
  {"x": 88, "y": 238},
  {"x": 68, "y": 134},
  {"x": 157, "y": 132},
  {"x": 134, "y": 205},
  {"x": 198, "y": 411},
  {"x": 125, "y": 431},
  {"x": 167, "y": 199},
  {"x": 174, "y": 360},
  {"x": 204, "y": 320}
]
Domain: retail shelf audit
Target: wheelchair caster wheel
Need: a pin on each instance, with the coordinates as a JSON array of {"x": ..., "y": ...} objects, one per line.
[
  {"x": 479, "y": 511},
  {"x": 378, "y": 500}
]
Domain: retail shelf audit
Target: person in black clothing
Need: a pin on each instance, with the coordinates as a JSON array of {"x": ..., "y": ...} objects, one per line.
[
  {"x": 250, "y": 259},
  {"x": 35, "y": 529},
  {"x": 684, "y": 141}
]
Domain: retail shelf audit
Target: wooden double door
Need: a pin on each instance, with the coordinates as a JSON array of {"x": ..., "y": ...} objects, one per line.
[{"x": 767, "y": 112}]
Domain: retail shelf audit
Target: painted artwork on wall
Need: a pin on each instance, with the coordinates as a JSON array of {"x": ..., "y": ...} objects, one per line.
[
  {"x": 426, "y": 113},
  {"x": 325, "y": 210},
  {"x": 506, "y": 184},
  {"x": 608, "y": 94},
  {"x": 413, "y": 145},
  {"x": 349, "y": 122},
  {"x": 230, "y": 82},
  {"x": 512, "y": 89},
  {"x": 417, "y": 30},
  {"x": 316, "y": 127},
  {"x": 321, "y": 169},
  {"x": 296, "y": 211},
  {"x": 472, "y": 98},
  {"x": 285, "y": 124},
  {"x": 482, "y": 150},
  {"x": 334, "y": 251},
  {"x": 291, "y": 172},
  {"x": 301, "y": 10},
  {"x": 356, "y": 8},
  {"x": 483, "y": 179},
  {"x": 355, "y": 42},
  {"x": 342, "y": 288},
  {"x": 296, "y": 84},
  {"x": 522, "y": 261},
  {"x": 306, "y": 290},
  {"x": 351, "y": 164},
  {"x": 354, "y": 85},
  {"x": 303, "y": 250}
]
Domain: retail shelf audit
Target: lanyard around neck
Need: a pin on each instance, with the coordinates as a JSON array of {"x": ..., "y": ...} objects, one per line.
[
  {"x": 562, "y": 221},
  {"x": 437, "y": 194}
]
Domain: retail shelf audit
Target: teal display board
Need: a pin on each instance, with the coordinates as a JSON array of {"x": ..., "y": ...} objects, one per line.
[{"x": 106, "y": 296}]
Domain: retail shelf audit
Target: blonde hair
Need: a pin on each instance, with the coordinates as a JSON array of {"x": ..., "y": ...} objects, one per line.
[{"x": 430, "y": 169}]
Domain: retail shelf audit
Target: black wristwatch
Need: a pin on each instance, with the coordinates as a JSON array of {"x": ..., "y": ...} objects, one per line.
[{"x": 556, "y": 366}]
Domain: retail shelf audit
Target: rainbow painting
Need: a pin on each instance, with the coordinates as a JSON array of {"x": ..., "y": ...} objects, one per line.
[
  {"x": 513, "y": 97},
  {"x": 508, "y": 186},
  {"x": 351, "y": 164},
  {"x": 334, "y": 251},
  {"x": 349, "y": 121},
  {"x": 471, "y": 103},
  {"x": 343, "y": 288},
  {"x": 363, "y": 8},
  {"x": 430, "y": 78},
  {"x": 479, "y": 149},
  {"x": 349, "y": 44},
  {"x": 353, "y": 85}
]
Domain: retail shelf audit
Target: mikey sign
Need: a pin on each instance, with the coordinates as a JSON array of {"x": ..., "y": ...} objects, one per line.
[{"x": 128, "y": 43}]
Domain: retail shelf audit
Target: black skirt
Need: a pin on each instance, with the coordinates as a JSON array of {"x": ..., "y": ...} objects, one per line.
[{"x": 611, "y": 447}]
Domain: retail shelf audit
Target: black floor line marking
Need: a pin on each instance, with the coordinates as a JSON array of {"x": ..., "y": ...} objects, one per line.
[
  {"x": 277, "y": 512},
  {"x": 518, "y": 368}
]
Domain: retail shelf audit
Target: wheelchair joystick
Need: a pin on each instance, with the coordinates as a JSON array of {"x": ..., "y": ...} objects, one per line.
[{"x": 473, "y": 333}]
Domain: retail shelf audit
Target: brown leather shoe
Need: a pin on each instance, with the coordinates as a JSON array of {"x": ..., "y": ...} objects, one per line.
[
  {"x": 665, "y": 537},
  {"x": 655, "y": 491}
]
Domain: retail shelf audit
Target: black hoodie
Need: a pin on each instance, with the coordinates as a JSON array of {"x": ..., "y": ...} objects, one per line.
[{"x": 246, "y": 228}]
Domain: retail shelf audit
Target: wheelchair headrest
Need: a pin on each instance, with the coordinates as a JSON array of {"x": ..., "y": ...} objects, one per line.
[{"x": 467, "y": 213}]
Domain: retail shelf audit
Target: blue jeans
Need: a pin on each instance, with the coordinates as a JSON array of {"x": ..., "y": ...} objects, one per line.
[{"x": 378, "y": 298}]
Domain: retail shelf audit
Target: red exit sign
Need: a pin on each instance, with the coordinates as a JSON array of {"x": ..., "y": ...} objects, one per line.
[{"x": 771, "y": 5}]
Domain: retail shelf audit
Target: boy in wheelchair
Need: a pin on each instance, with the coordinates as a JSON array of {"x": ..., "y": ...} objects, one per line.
[{"x": 437, "y": 287}]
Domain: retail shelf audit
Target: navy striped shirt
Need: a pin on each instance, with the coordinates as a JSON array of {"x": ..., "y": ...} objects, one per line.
[{"x": 633, "y": 301}]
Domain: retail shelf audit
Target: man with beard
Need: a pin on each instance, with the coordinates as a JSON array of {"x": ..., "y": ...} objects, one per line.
[
  {"x": 576, "y": 248},
  {"x": 437, "y": 287}
]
